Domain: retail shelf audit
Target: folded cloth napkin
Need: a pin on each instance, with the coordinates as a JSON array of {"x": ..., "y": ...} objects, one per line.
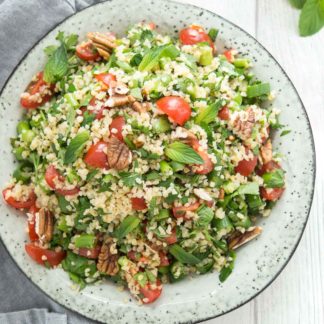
[{"x": 22, "y": 24}]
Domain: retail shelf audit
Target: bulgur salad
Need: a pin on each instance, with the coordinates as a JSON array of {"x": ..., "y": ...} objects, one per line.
[{"x": 144, "y": 159}]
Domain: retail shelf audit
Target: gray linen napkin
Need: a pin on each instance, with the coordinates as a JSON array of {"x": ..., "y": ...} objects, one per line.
[{"x": 22, "y": 24}]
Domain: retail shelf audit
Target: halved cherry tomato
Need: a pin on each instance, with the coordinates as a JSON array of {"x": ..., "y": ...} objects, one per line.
[
  {"x": 86, "y": 51},
  {"x": 31, "y": 224},
  {"x": 19, "y": 204},
  {"x": 229, "y": 54},
  {"x": 149, "y": 293},
  {"x": 52, "y": 176},
  {"x": 42, "y": 256},
  {"x": 96, "y": 155},
  {"x": 106, "y": 78},
  {"x": 208, "y": 165},
  {"x": 181, "y": 211},
  {"x": 268, "y": 167},
  {"x": 177, "y": 109},
  {"x": 138, "y": 203},
  {"x": 117, "y": 123},
  {"x": 193, "y": 35},
  {"x": 172, "y": 238},
  {"x": 37, "y": 87},
  {"x": 246, "y": 167},
  {"x": 90, "y": 253},
  {"x": 151, "y": 25},
  {"x": 98, "y": 112},
  {"x": 271, "y": 194},
  {"x": 224, "y": 113},
  {"x": 164, "y": 261}
]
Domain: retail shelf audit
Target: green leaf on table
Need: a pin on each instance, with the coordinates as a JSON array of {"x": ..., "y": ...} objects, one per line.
[
  {"x": 183, "y": 153},
  {"x": 126, "y": 226},
  {"x": 57, "y": 65},
  {"x": 75, "y": 147},
  {"x": 311, "y": 19}
]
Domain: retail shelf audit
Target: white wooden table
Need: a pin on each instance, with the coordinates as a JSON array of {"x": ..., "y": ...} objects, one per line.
[{"x": 297, "y": 295}]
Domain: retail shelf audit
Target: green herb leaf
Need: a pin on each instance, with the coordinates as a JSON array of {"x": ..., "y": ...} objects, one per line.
[
  {"x": 75, "y": 147},
  {"x": 205, "y": 216},
  {"x": 285, "y": 132},
  {"x": 129, "y": 178},
  {"x": 250, "y": 188},
  {"x": 208, "y": 114},
  {"x": 57, "y": 65},
  {"x": 136, "y": 60},
  {"x": 152, "y": 57},
  {"x": 88, "y": 118},
  {"x": 213, "y": 32},
  {"x": 274, "y": 179},
  {"x": 146, "y": 34},
  {"x": 297, "y": 3},
  {"x": 258, "y": 90},
  {"x": 79, "y": 265},
  {"x": 183, "y": 153},
  {"x": 183, "y": 256},
  {"x": 63, "y": 204},
  {"x": 311, "y": 19},
  {"x": 226, "y": 271},
  {"x": 85, "y": 241},
  {"x": 152, "y": 206},
  {"x": 126, "y": 226}
]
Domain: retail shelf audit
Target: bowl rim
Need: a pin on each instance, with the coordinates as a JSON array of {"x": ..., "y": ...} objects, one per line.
[{"x": 309, "y": 126}]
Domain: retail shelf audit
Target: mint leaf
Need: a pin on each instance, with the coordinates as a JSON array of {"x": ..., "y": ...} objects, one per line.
[
  {"x": 274, "y": 179},
  {"x": 75, "y": 147},
  {"x": 183, "y": 153},
  {"x": 297, "y": 3},
  {"x": 129, "y": 178},
  {"x": 311, "y": 19},
  {"x": 152, "y": 57},
  {"x": 208, "y": 114},
  {"x": 57, "y": 65}
]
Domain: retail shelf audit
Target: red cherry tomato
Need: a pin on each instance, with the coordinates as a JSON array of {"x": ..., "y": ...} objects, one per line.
[
  {"x": 181, "y": 212},
  {"x": 31, "y": 224},
  {"x": 246, "y": 167},
  {"x": 149, "y": 293},
  {"x": 268, "y": 167},
  {"x": 138, "y": 203},
  {"x": 172, "y": 238},
  {"x": 271, "y": 194},
  {"x": 229, "y": 54},
  {"x": 19, "y": 204},
  {"x": 86, "y": 51},
  {"x": 37, "y": 87},
  {"x": 98, "y": 112},
  {"x": 117, "y": 123},
  {"x": 52, "y": 177},
  {"x": 164, "y": 261},
  {"x": 96, "y": 155},
  {"x": 90, "y": 253},
  {"x": 177, "y": 109},
  {"x": 208, "y": 165},
  {"x": 106, "y": 78},
  {"x": 41, "y": 255},
  {"x": 193, "y": 35},
  {"x": 224, "y": 113}
]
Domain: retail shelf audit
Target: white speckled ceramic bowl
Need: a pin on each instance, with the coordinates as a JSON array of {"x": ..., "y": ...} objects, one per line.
[{"x": 258, "y": 263}]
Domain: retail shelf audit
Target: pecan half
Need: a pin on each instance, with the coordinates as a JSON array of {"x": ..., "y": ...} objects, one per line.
[
  {"x": 108, "y": 257},
  {"x": 118, "y": 154},
  {"x": 243, "y": 126},
  {"x": 266, "y": 152},
  {"x": 44, "y": 225},
  {"x": 117, "y": 87},
  {"x": 119, "y": 100},
  {"x": 237, "y": 239},
  {"x": 103, "y": 42},
  {"x": 142, "y": 106}
]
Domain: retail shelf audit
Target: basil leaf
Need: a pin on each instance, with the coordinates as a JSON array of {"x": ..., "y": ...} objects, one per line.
[
  {"x": 183, "y": 153},
  {"x": 208, "y": 114},
  {"x": 126, "y": 226},
  {"x": 297, "y": 3},
  {"x": 85, "y": 241},
  {"x": 75, "y": 147},
  {"x": 250, "y": 188},
  {"x": 152, "y": 57},
  {"x": 258, "y": 90},
  {"x": 311, "y": 19},
  {"x": 183, "y": 256},
  {"x": 57, "y": 65},
  {"x": 274, "y": 179},
  {"x": 129, "y": 178}
]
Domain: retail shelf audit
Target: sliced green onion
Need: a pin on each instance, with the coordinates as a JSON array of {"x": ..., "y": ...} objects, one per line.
[
  {"x": 126, "y": 226},
  {"x": 183, "y": 256},
  {"x": 258, "y": 90},
  {"x": 85, "y": 241},
  {"x": 165, "y": 167}
]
